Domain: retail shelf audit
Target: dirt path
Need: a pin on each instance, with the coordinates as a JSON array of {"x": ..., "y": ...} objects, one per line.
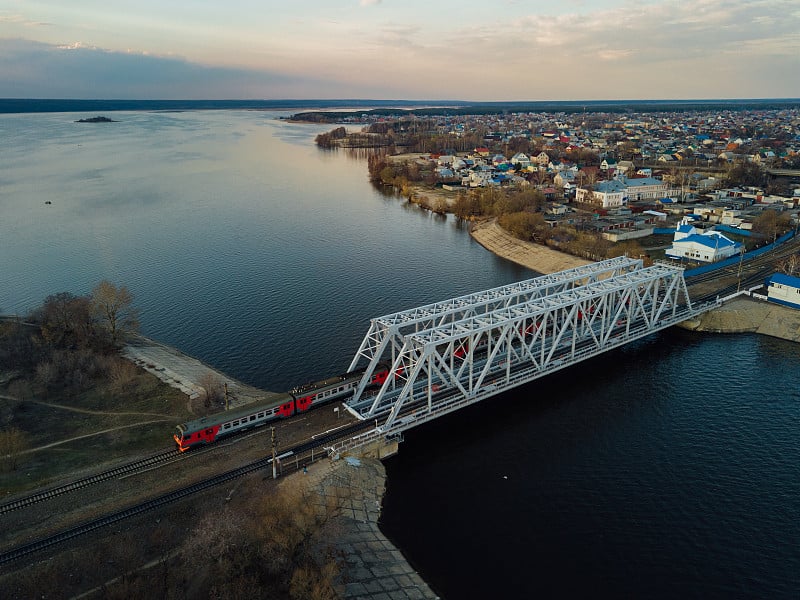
[
  {"x": 88, "y": 435},
  {"x": 164, "y": 418},
  {"x": 90, "y": 412}
]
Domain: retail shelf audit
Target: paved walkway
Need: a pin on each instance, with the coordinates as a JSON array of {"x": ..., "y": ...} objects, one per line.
[
  {"x": 185, "y": 372},
  {"x": 375, "y": 569}
]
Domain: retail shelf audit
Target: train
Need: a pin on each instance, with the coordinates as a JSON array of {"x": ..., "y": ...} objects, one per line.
[{"x": 208, "y": 430}]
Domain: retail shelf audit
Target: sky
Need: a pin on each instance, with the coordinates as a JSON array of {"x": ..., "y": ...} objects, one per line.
[{"x": 500, "y": 50}]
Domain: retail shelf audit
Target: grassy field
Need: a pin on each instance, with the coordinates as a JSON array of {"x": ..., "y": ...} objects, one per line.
[{"x": 102, "y": 425}]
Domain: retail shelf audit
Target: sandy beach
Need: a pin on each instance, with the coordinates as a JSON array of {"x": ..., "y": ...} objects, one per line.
[{"x": 534, "y": 256}]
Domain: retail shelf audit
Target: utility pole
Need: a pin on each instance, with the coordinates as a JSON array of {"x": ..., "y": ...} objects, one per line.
[
  {"x": 274, "y": 466},
  {"x": 226, "y": 395},
  {"x": 739, "y": 276}
]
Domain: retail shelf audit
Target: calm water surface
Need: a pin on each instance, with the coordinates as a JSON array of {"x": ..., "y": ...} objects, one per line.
[
  {"x": 242, "y": 243},
  {"x": 666, "y": 469}
]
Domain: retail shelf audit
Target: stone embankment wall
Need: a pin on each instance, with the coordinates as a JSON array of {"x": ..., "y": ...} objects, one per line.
[
  {"x": 374, "y": 568},
  {"x": 745, "y": 314}
]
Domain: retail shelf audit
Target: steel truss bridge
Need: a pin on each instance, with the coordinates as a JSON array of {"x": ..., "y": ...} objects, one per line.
[{"x": 451, "y": 354}]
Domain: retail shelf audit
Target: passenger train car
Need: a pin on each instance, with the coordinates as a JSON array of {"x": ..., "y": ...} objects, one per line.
[{"x": 299, "y": 399}]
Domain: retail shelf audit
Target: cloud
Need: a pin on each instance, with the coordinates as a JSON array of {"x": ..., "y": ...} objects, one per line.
[
  {"x": 20, "y": 20},
  {"x": 37, "y": 70},
  {"x": 629, "y": 48},
  {"x": 705, "y": 48}
]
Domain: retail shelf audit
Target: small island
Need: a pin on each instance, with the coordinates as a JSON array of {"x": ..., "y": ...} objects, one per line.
[{"x": 96, "y": 120}]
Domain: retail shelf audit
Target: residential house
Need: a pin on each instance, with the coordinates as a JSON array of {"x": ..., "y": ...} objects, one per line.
[
  {"x": 542, "y": 159},
  {"x": 626, "y": 167},
  {"x": 607, "y": 164},
  {"x": 521, "y": 159},
  {"x": 564, "y": 177}
]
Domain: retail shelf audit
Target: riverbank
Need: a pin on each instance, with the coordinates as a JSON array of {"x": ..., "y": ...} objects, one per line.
[
  {"x": 374, "y": 568},
  {"x": 748, "y": 315},
  {"x": 533, "y": 256},
  {"x": 187, "y": 373},
  {"x": 741, "y": 315}
]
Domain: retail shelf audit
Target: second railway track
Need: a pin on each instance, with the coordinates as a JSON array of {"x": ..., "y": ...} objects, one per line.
[{"x": 299, "y": 450}]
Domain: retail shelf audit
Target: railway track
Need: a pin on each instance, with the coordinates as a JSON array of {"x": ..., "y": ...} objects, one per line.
[
  {"x": 126, "y": 469},
  {"x": 301, "y": 451},
  {"x": 751, "y": 272}
]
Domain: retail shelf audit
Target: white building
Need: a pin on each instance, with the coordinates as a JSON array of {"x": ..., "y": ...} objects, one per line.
[
  {"x": 703, "y": 247},
  {"x": 608, "y": 194},
  {"x": 784, "y": 289},
  {"x": 646, "y": 188},
  {"x": 521, "y": 159}
]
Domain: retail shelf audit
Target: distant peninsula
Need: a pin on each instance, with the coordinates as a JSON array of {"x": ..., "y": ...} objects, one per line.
[{"x": 96, "y": 120}]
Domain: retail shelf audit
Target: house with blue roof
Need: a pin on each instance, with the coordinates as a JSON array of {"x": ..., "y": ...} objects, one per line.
[
  {"x": 709, "y": 247},
  {"x": 784, "y": 289}
]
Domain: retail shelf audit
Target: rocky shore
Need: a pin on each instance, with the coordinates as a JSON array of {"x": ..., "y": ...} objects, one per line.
[{"x": 187, "y": 373}]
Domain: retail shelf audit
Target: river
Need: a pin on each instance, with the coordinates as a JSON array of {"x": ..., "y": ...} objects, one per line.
[{"x": 668, "y": 468}]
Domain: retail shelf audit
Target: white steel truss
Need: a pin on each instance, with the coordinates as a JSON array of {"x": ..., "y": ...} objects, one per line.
[
  {"x": 386, "y": 334},
  {"x": 454, "y": 363}
]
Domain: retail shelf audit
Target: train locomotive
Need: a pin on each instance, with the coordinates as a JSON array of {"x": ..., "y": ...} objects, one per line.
[{"x": 207, "y": 430}]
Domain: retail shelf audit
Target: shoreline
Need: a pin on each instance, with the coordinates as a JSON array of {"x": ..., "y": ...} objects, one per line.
[
  {"x": 186, "y": 373},
  {"x": 748, "y": 315},
  {"x": 538, "y": 258},
  {"x": 740, "y": 315},
  {"x": 375, "y": 567}
]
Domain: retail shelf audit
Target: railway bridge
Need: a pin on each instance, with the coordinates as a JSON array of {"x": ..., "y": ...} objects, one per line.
[{"x": 451, "y": 354}]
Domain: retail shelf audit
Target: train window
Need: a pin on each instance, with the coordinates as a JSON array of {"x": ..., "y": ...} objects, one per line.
[
  {"x": 261, "y": 415},
  {"x": 226, "y": 426},
  {"x": 235, "y": 423},
  {"x": 209, "y": 431},
  {"x": 253, "y": 418}
]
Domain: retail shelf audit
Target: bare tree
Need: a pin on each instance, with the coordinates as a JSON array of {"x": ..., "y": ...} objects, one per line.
[
  {"x": 214, "y": 389},
  {"x": 113, "y": 308},
  {"x": 790, "y": 265},
  {"x": 771, "y": 224},
  {"x": 65, "y": 320}
]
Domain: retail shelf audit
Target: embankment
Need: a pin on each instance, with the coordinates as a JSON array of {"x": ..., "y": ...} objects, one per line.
[
  {"x": 374, "y": 568},
  {"x": 747, "y": 315},
  {"x": 534, "y": 256}
]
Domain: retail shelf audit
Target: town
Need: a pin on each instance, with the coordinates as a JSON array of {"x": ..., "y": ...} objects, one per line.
[{"x": 693, "y": 186}]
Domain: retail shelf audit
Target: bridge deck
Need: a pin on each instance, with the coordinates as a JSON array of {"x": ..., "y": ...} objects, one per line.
[{"x": 510, "y": 338}]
